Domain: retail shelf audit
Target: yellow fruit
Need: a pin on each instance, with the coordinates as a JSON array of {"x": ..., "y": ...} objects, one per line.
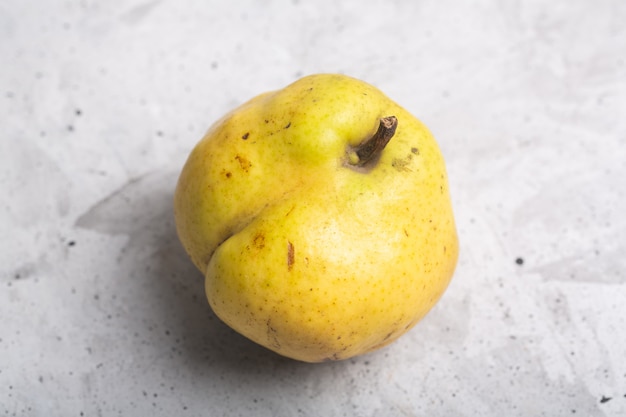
[{"x": 321, "y": 217}]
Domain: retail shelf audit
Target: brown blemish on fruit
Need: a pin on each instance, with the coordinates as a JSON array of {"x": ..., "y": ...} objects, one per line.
[
  {"x": 290, "y": 210},
  {"x": 245, "y": 135},
  {"x": 415, "y": 151},
  {"x": 259, "y": 241},
  {"x": 288, "y": 125},
  {"x": 291, "y": 255},
  {"x": 243, "y": 163},
  {"x": 401, "y": 164},
  {"x": 272, "y": 337}
]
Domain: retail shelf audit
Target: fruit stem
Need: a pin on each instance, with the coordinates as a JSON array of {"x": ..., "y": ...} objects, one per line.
[{"x": 371, "y": 148}]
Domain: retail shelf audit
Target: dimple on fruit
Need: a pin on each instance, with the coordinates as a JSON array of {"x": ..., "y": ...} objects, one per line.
[{"x": 321, "y": 218}]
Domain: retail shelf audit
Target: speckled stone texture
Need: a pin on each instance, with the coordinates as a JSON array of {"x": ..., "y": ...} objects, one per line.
[{"x": 102, "y": 313}]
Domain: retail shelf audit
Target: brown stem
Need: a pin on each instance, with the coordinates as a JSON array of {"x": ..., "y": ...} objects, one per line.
[{"x": 371, "y": 148}]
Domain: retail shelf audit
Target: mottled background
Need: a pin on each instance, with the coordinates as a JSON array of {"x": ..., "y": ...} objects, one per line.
[{"x": 102, "y": 313}]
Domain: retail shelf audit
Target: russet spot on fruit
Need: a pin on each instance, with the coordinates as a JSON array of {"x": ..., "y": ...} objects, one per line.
[{"x": 321, "y": 218}]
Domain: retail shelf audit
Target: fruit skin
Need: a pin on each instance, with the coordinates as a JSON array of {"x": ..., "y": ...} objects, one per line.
[{"x": 303, "y": 252}]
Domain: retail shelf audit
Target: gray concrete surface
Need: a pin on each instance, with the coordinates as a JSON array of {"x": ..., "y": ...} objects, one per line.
[{"x": 102, "y": 314}]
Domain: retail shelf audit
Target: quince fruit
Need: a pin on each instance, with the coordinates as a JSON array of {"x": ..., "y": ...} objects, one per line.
[{"x": 320, "y": 217}]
